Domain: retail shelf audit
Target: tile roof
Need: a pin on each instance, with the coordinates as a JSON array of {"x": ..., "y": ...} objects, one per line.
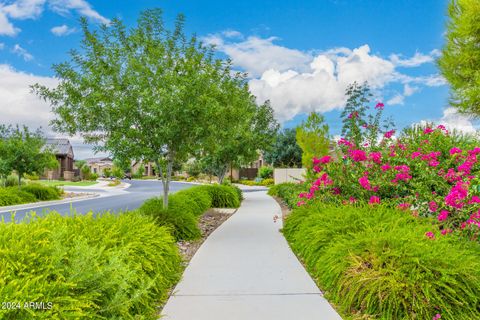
[{"x": 59, "y": 146}]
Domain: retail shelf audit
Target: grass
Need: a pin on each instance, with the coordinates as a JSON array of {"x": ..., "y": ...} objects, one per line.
[
  {"x": 377, "y": 263},
  {"x": 56, "y": 183}
]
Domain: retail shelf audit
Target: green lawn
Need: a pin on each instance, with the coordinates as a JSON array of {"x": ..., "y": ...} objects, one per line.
[{"x": 66, "y": 183}]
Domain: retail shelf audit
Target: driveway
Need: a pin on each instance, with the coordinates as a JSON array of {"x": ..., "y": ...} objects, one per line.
[{"x": 115, "y": 200}]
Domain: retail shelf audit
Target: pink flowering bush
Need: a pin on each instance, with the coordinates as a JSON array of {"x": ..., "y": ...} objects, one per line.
[{"x": 428, "y": 170}]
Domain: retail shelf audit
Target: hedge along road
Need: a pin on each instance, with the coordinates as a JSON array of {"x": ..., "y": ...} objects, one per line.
[{"x": 116, "y": 201}]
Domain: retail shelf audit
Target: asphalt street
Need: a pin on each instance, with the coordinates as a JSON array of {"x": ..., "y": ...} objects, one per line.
[{"x": 121, "y": 200}]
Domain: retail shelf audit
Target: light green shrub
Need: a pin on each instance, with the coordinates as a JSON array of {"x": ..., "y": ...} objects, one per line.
[
  {"x": 180, "y": 216},
  {"x": 265, "y": 172},
  {"x": 267, "y": 182},
  {"x": 377, "y": 262},
  {"x": 223, "y": 196},
  {"x": 42, "y": 192},
  {"x": 13, "y": 195},
  {"x": 102, "y": 267},
  {"x": 288, "y": 192}
]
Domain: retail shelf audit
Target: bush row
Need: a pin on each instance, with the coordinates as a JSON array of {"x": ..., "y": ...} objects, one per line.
[
  {"x": 28, "y": 193},
  {"x": 185, "y": 206},
  {"x": 89, "y": 267},
  {"x": 376, "y": 262},
  {"x": 288, "y": 192}
]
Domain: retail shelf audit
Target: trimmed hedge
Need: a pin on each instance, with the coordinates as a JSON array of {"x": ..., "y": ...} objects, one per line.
[
  {"x": 89, "y": 267},
  {"x": 288, "y": 192},
  {"x": 42, "y": 192},
  {"x": 12, "y": 195},
  {"x": 185, "y": 206},
  {"x": 377, "y": 262},
  {"x": 28, "y": 193},
  {"x": 223, "y": 196}
]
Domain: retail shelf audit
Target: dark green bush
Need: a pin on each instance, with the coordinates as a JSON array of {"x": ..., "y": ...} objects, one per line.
[
  {"x": 288, "y": 192},
  {"x": 180, "y": 216},
  {"x": 42, "y": 192},
  {"x": 103, "y": 267},
  {"x": 265, "y": 172},
  {"x": 223, "y": 196},
  {"x": 13, "y": 195},
  {"x": 377, "y": 262}
]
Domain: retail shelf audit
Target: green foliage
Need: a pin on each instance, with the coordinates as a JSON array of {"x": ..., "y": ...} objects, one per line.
[
  {"x": 42, "y": 192},
  {"x": 265, "y": 172},
  {"x": 359, "y": 126},
  {"x": 267, "y": 182},
  {"x": 11, "y": 180},
  {"x": 23, "y": 151},
  {"x": 377, "y": 262},
  {"x": 285, "y": 151},
  {"x": 223, "y": 196},
  {"x": 288, "y": 192},
  {"x": 193, "y": 169},
  {"x": 90, "y": 267},
  {"x": 179, "y": 217},
  {"x": 118, "y": 172},
  {"x": 12, "y": 195},
  {"x": 313, "y": 138},
  {"x": 460, "y": 57},
  {"x": 144, "y": 92},
  {"x": 93, "y": 177},
  {"x": 201, "y": 199}
]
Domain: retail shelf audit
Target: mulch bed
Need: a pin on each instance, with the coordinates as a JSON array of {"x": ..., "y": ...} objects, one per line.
[{"x": 208, "y": 222}]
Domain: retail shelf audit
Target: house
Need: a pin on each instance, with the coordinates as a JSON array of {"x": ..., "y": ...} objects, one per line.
[
  {"x": 99, "y": 164},
  {"x": 249, "y": 171},
  {"x": 63, "y": 151},
  {"x": 147, "y": 168}
]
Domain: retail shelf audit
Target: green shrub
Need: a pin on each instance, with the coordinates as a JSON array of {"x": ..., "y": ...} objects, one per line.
[
  {"x": 179, "y": 217},
  {"x": 93, "y": 177},
  {"x": 103, "y": 267},
  {"x": 378, "y": 262},
  {"x": 11, "y": 181},
  {"x": 238, "y": 191},
  {"x": 248, "y": 182},
  {"x": 265, "y": 172},
  {"x": 12, "y": 196},
  {"x": 267, "y": 182},
  {"x": 288, "y": 192},
  {"x": 201, "y": 199},
  {"x": 223, "y": 196},
  {"x": 42, "y": 192}
]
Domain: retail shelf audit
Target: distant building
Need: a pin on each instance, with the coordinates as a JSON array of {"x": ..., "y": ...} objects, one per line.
[
  {"x": 99, "y": 164},
  {"x": 148, "y": 168},
  {"x": 63, "y": 151}
]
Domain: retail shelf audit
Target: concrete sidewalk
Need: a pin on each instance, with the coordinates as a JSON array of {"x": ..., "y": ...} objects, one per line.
[{"x": 246, "y": 271}]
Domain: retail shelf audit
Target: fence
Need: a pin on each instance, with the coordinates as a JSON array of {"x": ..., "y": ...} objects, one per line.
[{"x": 281, "y": 175}]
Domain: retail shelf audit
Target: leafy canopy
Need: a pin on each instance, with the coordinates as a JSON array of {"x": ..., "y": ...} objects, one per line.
[
  {"x": 313, "y": 138},
  {"x": 460, "y": 60}
]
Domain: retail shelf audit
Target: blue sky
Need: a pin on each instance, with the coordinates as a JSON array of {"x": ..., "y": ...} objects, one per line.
[{"x": 300, "y": 56}]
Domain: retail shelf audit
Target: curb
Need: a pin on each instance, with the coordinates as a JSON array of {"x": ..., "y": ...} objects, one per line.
[{"x": 38, "y": 204}]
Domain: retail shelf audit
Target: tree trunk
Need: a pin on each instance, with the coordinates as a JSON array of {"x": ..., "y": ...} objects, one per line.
[
  {"x": 165, "y": 178},
  {"x": 19, "y": 181},
  {"x": 221, "y": 174}
]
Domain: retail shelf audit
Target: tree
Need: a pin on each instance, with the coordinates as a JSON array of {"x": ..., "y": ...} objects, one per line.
[
  {"x": 460, "y": 59},
  {"x": 5, "y": 164},
  {"x": 313, "y": 138},
  {"x": 242, "y": 130},
  {"x": 146, "y": 93},
  {"x": 25, "y": 152},
  {"x": 359, "y": 125},
  {"x": 285, "y": 151}
]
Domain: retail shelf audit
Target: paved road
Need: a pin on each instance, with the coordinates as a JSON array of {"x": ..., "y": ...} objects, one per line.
[
  {"x": 121, "y": 200},
  {"x": 246, "y": 270}
]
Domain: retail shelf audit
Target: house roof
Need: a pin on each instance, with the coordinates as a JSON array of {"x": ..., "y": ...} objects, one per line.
[
  {"x": 59, "y": 146},
  {"x": 98, "y": 159}
]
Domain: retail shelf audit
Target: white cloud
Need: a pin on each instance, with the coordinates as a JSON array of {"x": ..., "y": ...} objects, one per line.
[
  {"x": 399, "y": 99},
  {"x": 258, "y": 55},
  {"x": 18, "y": 50},
  {"x": 322, "y": 87},
  {"x": 6, "y": 27},
  {"x": 232, "y": 34},
  {"x": 62, "y": 30},
  {"x": 2, "y": 45},
  {"x": 453, "y": 120},
  {"x": 415, "y": 61},
  {"x": 32, "y": 9},
  {"x": 19, "y": 106},
  {"x": 80, "y": 6},
  {"x": 298, "y": 81}
]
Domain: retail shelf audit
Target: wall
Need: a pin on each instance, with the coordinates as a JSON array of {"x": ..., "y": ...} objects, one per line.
[{"x": 281, "y": 175}]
